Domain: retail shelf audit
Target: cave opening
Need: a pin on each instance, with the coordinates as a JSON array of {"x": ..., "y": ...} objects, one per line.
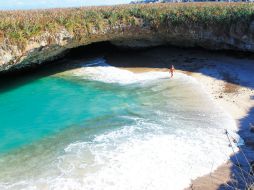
[{"x": 163, "y": 56}]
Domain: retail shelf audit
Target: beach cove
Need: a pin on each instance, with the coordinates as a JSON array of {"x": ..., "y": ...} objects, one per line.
[
  {"x": 87, "y": 101},
  {"x": 131, "y": 69}
]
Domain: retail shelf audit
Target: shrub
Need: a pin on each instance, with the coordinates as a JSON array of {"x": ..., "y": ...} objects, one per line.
[{"x": 19, "y": 26}]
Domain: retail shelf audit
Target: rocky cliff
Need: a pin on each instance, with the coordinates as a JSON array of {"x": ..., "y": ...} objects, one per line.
[{"x": 162, "y": 26}]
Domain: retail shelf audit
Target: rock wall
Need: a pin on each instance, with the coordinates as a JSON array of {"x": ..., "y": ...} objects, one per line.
[{"x": 49, "y": 46}]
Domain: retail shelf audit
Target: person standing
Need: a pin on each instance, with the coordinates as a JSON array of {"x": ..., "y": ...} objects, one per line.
[{"x": 171, "y": 71}]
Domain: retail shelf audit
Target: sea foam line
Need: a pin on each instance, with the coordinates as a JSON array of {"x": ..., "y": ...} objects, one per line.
[{"x": 99, "y": 70}]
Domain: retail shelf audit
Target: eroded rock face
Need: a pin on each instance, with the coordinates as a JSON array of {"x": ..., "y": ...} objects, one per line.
[{"x": 50, "y": 46}]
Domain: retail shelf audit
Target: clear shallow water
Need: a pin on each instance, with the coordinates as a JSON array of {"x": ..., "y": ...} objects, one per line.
[{"x": 100, "y": 127}]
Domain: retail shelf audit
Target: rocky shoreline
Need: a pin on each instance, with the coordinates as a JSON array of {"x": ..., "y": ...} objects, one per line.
[{"x": 136, "y": 33}]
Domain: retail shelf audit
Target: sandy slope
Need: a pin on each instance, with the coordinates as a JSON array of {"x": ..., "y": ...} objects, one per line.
[{"x": 230, "y": 84}]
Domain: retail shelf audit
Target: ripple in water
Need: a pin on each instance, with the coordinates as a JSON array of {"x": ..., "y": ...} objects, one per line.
[{"x": 100, "y": 127}]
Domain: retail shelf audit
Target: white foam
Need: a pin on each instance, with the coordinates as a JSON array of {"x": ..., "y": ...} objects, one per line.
[
  {"x": 122, "y": 159},
  {"x": 160, "y": 162},
  {"x": 99, "y": 70}
]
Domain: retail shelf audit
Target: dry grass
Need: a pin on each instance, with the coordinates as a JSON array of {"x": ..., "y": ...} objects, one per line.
[{"x": 19, "y": 26}]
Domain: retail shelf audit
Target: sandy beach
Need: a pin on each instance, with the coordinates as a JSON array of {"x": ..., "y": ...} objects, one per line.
[
  {"x": 228, "y": 79},
  {"x": 231, "y": 86}
]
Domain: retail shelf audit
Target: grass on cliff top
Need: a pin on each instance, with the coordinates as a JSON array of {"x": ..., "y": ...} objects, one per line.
[{"x": 19, "y": 26}]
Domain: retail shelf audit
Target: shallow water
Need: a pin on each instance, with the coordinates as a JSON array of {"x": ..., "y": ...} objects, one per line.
[{"x": 100, "y": 127}]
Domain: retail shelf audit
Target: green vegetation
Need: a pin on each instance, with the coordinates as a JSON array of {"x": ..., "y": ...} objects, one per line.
[{"x": 18, "y": 26}]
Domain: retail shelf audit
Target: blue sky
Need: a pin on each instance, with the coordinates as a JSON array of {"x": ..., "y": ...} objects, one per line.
[{"x": 33, "y": 4}]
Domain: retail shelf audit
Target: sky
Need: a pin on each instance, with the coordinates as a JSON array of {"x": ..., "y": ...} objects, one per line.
[{"x": 35, "y": 4}]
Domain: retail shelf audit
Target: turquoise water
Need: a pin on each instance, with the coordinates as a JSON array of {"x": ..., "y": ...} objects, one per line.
[
  {"x": 105, "y": 128},
  {"x": 48, "y": 105}
]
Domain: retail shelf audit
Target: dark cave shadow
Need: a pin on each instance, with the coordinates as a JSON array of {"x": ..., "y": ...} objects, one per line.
[{"x": 241, "y": 172}]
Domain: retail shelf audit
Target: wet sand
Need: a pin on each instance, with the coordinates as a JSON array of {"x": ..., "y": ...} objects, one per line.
[{"x": 228, "y": 79}]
